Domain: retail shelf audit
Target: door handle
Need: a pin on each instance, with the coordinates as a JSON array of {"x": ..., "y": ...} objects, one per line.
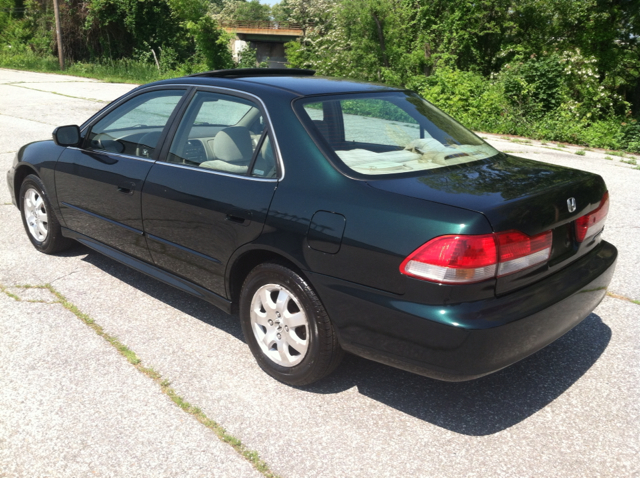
[
  {"x": 236, "y": 219},
  {"x": 239, "y": 216},
  {"x": 127, "y": 187}
]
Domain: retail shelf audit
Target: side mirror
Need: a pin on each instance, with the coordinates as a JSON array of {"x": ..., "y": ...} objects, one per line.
[{"x": 67, "y": 135}]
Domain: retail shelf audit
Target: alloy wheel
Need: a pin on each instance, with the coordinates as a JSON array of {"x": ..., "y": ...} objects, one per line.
[
  {"x": 280, "y": 325},
  {"x": 35, "y": 214}
]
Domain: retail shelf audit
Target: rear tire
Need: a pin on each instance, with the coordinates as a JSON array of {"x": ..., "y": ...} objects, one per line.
[
  {"x": 286, "y": 326},
  {"x": 40, "y": 222}
]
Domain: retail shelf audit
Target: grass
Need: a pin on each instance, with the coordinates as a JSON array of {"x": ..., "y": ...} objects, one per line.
[
  {"x": 609, "y": 158},
  {"x": 629, "y": 161},
  {"x": 622, "y": 297},
  {"x": 112, "y": 71},
  {"x": 581, "y": 152},
  {"x": 165, "y": 385},
  {"x": 555, "y": 149}
]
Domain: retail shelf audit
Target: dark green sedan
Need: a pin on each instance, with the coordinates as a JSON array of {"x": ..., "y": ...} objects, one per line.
[{"x": 332, "y": 215}]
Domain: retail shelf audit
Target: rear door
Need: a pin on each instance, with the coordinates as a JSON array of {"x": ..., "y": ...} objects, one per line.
[
  {"x": 210, "y": 191},
  {"x": 99, "y": 185}
]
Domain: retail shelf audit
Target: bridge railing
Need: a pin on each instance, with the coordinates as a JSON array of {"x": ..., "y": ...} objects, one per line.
[{"x": 262, "y": 25}]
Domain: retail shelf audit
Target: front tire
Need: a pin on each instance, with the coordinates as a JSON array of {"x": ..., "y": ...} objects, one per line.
[
  {"x": 287, "y": 327},
  {"x": 38, "y": 218}
]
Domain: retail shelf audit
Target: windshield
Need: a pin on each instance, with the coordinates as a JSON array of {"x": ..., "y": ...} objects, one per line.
[{"x": 390, "y": 133}]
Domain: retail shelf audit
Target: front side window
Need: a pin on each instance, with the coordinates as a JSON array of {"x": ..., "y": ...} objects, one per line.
[
  {"x": 224, "y": 133},
  {"x": 135, "y": 127},
  {"x": 390, "y": 133}
]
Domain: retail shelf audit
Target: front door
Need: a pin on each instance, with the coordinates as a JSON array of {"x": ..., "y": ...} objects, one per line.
[
  {"x": 210, "y": 192},
  {"x": 99, "y": 184}
]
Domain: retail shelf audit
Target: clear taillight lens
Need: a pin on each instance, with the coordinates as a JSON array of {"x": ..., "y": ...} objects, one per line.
[
  {"x": 592, "y": 223},
  {"x": 473, "y": 258},
  {"x": 519, "y": 251},
  {"x": 453, "y": 259}
]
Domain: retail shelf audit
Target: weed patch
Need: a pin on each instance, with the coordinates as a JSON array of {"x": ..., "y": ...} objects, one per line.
[{"x": 622, "y": 297}]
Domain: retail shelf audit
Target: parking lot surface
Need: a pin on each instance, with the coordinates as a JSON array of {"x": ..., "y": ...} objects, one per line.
[{"x": 73, "y": 406}]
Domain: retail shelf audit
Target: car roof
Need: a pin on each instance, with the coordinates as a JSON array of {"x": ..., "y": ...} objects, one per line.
[
  {"x": 313, "y": 85},
  {"x": 280, "y": 81}
]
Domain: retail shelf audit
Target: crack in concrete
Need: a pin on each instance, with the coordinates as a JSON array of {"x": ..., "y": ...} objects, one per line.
[
  {"x": 248, "y": 454},
  {"x": 27, "y": 119},
  {"x": 65, "y": 275},
  {"x": 47, "y": 82},
  {"x": 623, "y": 297},
  {"x": 56, "y": 93}
]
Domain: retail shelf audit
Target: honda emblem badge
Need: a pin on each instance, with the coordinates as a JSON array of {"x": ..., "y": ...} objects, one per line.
[{"x": 571, "y": 204}]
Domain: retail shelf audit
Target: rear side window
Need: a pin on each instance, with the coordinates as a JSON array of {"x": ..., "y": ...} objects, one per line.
[
  {"x": 390, "y": 133},
  {"x": 224, "y": 133},
  {"x": 221, "y": 112}
]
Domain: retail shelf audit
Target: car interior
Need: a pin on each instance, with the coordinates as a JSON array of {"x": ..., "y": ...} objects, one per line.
[
  {"x": 374, "y": 136},
  {"x": 216, "y": 134},
  {"x": 202, "y": 141}
]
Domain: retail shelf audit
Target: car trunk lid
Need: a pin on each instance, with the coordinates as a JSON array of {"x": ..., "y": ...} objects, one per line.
[{"x": 515, "y": 194}]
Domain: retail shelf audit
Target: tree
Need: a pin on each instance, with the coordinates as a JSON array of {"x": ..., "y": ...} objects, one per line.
[
  {"x": 242, "y": 11},
  {"x": 281, "y": 12},
  {"x": 212, "y": 43}
]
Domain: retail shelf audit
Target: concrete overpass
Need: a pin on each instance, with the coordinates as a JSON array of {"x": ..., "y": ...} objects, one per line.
[{"x": 268, "y": 38}]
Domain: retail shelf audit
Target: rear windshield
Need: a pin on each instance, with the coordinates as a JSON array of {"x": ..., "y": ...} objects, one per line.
[{"x": 390, "y": 133}]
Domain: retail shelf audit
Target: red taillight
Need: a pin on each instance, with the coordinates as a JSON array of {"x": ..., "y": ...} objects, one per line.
[
  {"x": 453, "y": 259},
  {"x": 592, "y": 223},
  {"x": 519, "y": 251},
  {"x": 466, "y": 258}
]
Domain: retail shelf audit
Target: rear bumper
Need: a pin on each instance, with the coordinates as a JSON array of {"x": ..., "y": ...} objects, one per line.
[{"x": 467, "y": 340}]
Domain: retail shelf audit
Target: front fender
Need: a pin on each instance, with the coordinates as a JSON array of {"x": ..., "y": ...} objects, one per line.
[{"x": 38, "y": 158}]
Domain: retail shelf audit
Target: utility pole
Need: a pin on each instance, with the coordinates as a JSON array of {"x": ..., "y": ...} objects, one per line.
[{"x": 58, "y": 33}]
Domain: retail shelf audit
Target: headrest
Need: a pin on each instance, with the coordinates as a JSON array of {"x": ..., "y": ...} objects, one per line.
[{"x": 233, "y": 145}]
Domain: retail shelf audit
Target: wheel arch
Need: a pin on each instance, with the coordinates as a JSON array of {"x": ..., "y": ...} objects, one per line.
[
  {"x": 22, "y": 171},
  {"x": 245, "y": 260}
]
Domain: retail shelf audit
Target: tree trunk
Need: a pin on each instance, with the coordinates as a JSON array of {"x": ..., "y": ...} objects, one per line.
[{"x": 385, "y": 61}]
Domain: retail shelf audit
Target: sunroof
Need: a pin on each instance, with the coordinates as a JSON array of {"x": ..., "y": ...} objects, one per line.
[{"x": 243, "y": 72}]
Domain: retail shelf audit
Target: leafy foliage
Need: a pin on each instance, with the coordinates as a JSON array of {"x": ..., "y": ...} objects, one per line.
[
  {"x": 172, "y": 31},
  {"x": 249, "y": 59},
  {"x": 211, "y": 43},
  {"x": 242, "y": 11},
  {"x": 563, "y": 70}
]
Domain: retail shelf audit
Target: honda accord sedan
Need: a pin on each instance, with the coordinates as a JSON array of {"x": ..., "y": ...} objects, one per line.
[{"x": 331, "y": 216}]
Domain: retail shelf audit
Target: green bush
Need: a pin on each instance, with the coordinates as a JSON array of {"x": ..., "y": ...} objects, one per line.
[
  {"x": 631, "y": 135},
  {"x": 498, "y": 106},
  {"x": 537, "y": 85}
]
